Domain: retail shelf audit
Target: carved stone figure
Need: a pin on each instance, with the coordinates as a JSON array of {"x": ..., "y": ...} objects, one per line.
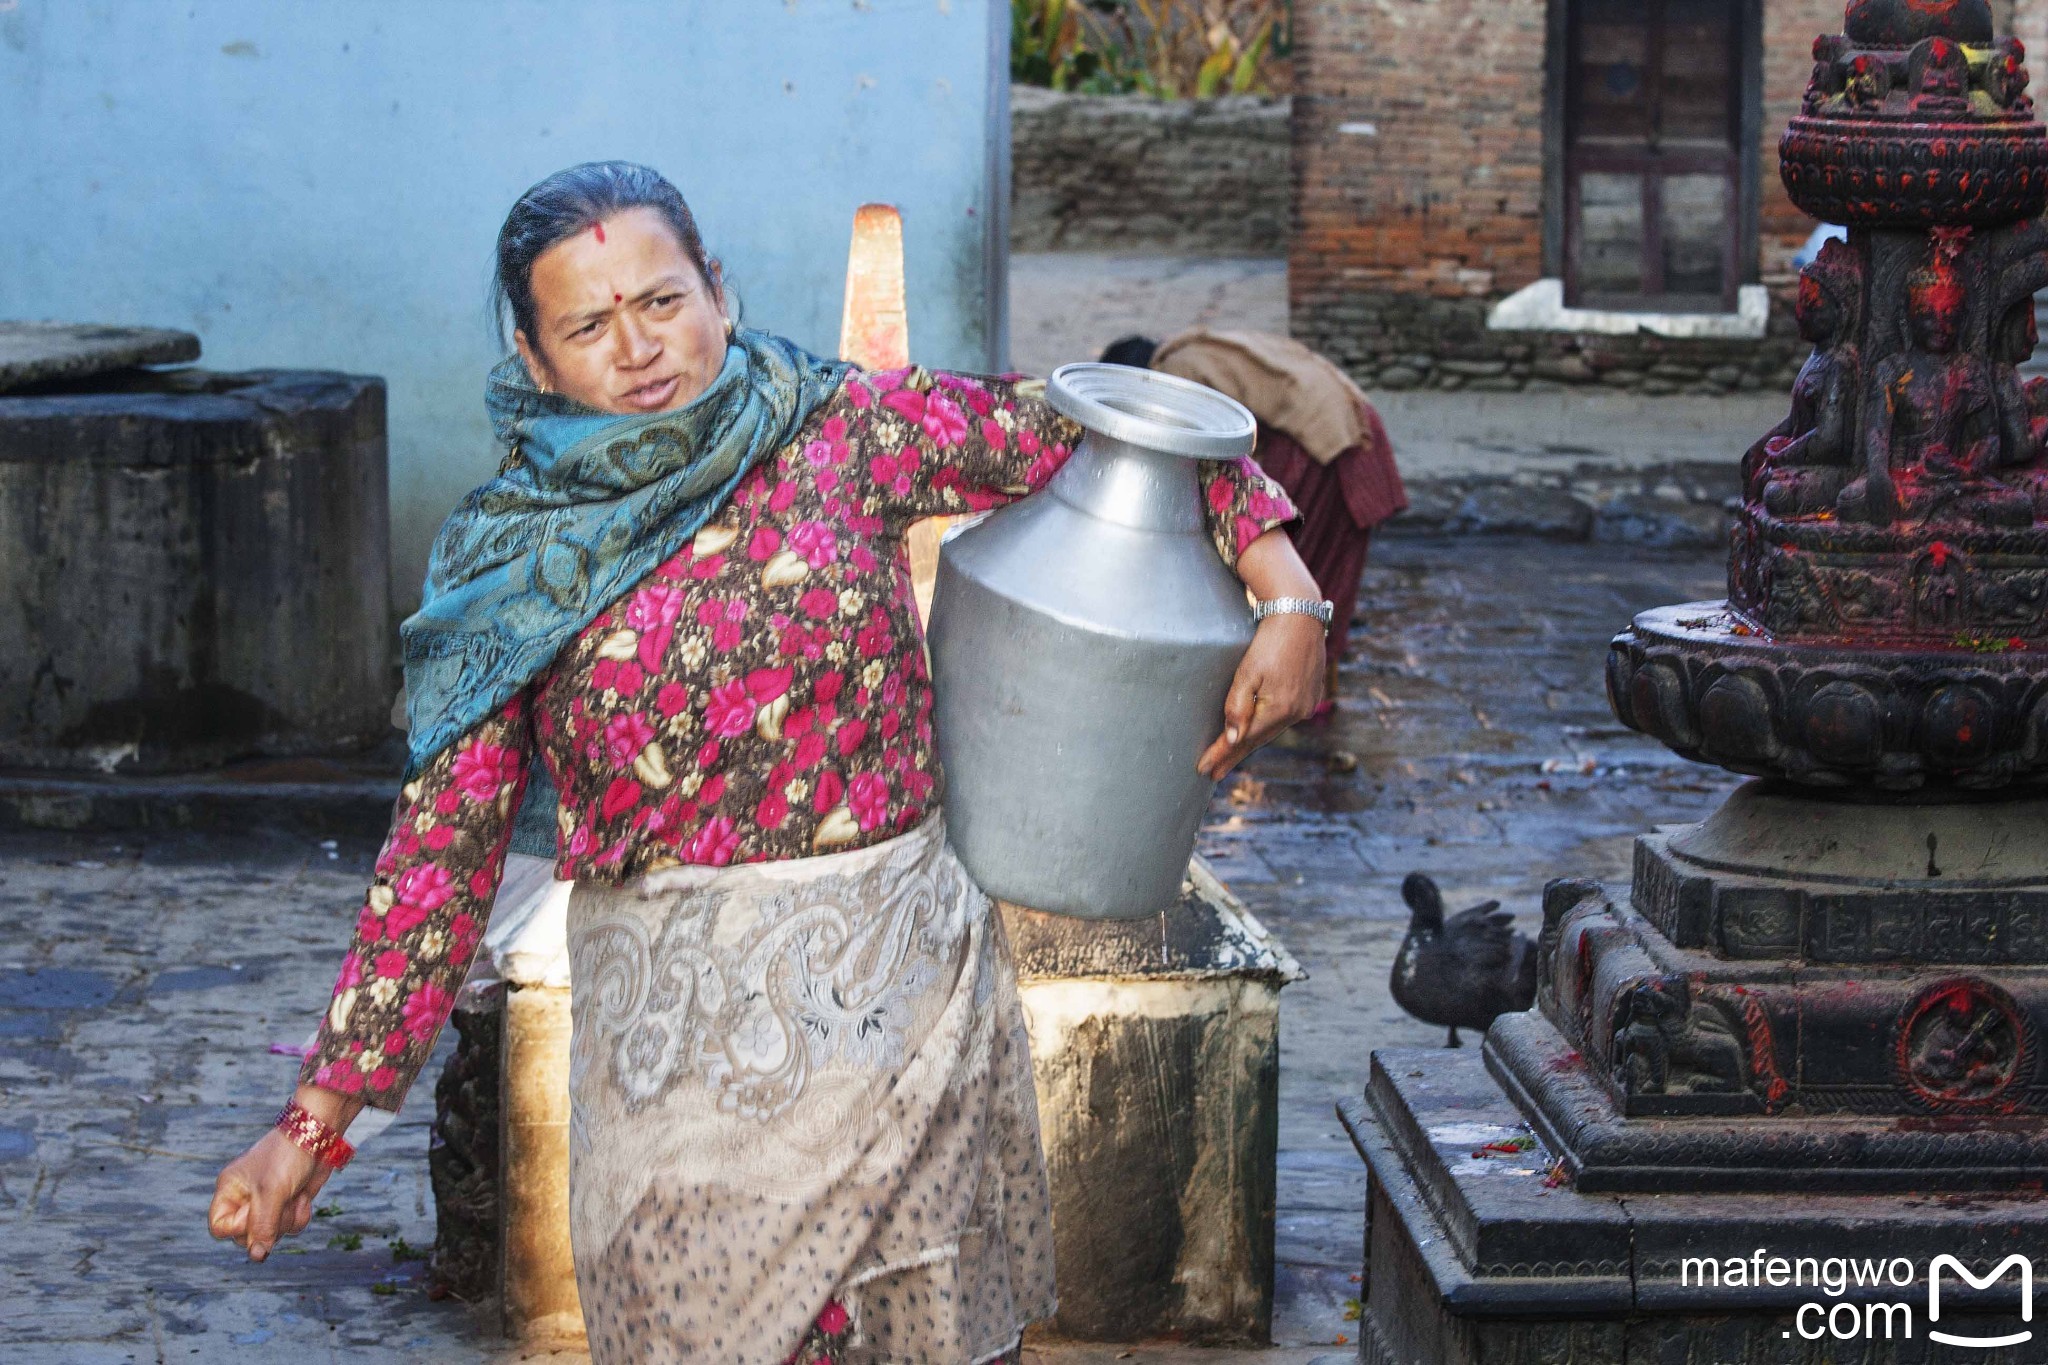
[
  {"x": 1666, "y": 1043},
  {"x": 1931, "y": 435},
  {"x": 1799, "y": 467}
]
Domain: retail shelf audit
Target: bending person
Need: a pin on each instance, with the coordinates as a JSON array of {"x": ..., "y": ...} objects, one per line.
[{"x": 1319, "y": 437}]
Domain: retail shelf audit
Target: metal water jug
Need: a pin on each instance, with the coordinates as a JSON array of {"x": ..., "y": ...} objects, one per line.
[{"x": 1082, "y": 643}]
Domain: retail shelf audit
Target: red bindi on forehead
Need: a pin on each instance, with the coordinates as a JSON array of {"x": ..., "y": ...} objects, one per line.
[
  {"x": 618, "y": 298},
  {"x": 598, "y": 229}
]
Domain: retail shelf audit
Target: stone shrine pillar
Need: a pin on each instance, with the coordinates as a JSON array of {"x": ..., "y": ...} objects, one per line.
[{"x": 1813, "y": 1028}]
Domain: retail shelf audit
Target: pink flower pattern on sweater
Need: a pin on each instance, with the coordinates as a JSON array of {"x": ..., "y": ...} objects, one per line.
[{"x": 761, "y": 695}]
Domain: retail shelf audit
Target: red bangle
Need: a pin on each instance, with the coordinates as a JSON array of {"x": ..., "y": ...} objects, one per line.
[{"x": 323, "y": 1142}]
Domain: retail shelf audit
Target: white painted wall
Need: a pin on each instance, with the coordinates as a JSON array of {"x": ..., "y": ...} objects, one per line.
[{"x": 318, "y": 183}]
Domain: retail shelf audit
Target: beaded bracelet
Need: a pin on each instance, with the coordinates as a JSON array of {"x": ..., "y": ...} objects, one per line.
[{"x": 323, "y": 1142}]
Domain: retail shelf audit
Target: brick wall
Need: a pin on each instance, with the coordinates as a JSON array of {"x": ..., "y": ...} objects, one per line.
[
  {"x": 1790, "y": 26},
  {"x": 1419, "y": 197}
]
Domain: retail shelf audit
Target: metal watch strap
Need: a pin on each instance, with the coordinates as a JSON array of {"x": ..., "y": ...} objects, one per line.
[{"x": 1295, "y": 606}]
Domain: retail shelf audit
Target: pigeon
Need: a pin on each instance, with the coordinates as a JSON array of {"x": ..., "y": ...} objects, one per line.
[{"x": 1460, "y": 972}]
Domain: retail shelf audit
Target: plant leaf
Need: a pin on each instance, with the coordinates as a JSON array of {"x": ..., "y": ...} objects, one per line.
[{"x": 1247, "y": 73}]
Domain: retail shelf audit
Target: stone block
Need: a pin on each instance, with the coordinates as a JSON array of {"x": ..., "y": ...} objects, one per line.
[
  {"x": 1564, "y": 369},
  {"x": 1156, "y": 1048},
  {"x": 1475, "y": 369},
  {"x": 196, "y": 569},
  {"x": 538, "y": 1278}
]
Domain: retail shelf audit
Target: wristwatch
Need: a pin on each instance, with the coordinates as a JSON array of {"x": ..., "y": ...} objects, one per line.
[{"x": 1295, "y": 606}]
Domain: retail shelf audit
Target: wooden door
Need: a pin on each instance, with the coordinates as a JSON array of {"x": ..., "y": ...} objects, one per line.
[{"x": 1652, "y": 130}]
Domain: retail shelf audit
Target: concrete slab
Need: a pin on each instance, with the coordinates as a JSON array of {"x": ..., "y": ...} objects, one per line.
[{"x": 39, "y": 352}]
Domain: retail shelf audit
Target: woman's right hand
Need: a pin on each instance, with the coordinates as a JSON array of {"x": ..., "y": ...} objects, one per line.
[{"x": 267, "y": 1192}]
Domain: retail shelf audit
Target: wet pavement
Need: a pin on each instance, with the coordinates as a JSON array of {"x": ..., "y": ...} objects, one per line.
[
  {"x": 1486, "y": 756},
  {"x": 142, "y": 982}
]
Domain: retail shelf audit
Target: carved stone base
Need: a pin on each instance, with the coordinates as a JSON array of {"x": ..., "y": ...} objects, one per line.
[
  {"x": 1604, "y": 1148},
  {"x": 1800, "y": 994},
  {"x": 1831, "y": 715},
  {"x": 1475, "y": 1253}
]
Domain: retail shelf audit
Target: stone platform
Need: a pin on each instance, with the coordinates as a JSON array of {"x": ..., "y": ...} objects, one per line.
[
  {"x": 1478, "y": 1250},
  {"x": 1810, "y": 1030}
]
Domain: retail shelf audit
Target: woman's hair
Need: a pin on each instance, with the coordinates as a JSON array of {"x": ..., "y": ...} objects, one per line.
[
  {"x": 565, "y": 204},
  {"x": 1135, "y": 351}
]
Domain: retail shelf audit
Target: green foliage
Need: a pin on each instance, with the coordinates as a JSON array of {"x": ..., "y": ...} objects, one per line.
[
  {"x": 403, "y": 1251},
  {"x": 1169, "y": 49},
  {"x": 1048, "y": 46},
  {"x": 347, "y": 1241}
]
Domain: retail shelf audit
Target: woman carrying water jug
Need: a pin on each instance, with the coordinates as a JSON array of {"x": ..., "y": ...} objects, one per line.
[{"x": 802, "y": 1121}]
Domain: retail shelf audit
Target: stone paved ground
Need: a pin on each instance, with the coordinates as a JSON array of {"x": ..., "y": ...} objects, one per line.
[
  {"x": 1068, "y": 305},
  {"x": 1573, "y": 463},
  {"x": 141, "y": 982},
  {"x": 1487, "y": 757}
]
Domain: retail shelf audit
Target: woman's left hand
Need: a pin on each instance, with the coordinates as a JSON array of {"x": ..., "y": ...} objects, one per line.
[{"x": 1279, "y": 681}]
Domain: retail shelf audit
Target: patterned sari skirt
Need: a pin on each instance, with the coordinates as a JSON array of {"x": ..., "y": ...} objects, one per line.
[{"x": 801, "y": 1115}]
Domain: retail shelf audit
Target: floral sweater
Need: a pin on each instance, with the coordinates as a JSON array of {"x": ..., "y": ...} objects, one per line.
[{"x": 763, "y": 694}]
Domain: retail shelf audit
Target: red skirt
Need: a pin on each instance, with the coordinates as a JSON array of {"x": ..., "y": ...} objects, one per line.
[{"x": 1340, "y": 504}]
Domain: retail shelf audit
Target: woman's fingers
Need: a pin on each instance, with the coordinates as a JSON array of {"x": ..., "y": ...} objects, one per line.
[
  {"x": 1240, "y": 710},
  {"x": 297, "y": 1214},
  {"x": 1278, "y": 683},
  {"x": 265, "y": 1212},
  {"x": 263, "y": 1194},
  {"x": 228, "y": 1217},
  {"x": 1240, "y": 707}
]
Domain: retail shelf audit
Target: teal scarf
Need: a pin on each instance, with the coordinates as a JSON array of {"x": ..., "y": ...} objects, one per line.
[{"x": 587, "y": 505}]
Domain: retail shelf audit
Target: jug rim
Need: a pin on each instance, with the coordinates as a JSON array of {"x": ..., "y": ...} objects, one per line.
[{"x": 1153, "y": 411}]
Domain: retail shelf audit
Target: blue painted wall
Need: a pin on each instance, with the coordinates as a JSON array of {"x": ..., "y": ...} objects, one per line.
[{"x": 318, "y": 183}]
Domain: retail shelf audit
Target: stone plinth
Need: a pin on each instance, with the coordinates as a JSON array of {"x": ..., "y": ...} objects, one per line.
[
  {"x": 1156, "y": 1048},
  {"x": 1800, "y": 994},
  {"x": 196, "y": 569},
  {"x": 1812, "y": 1027},
  {"x": 1477, "y": 1252}
]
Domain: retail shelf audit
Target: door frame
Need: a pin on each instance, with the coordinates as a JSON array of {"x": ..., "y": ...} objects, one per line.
[{"x": 1559, "y": 210}]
